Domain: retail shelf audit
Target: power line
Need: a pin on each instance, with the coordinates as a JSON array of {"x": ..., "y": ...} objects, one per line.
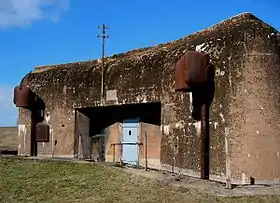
[{"x": 103, "y": 36}]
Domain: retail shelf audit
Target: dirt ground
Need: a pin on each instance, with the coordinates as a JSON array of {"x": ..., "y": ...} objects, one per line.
[{"x": 210, "y": 187}]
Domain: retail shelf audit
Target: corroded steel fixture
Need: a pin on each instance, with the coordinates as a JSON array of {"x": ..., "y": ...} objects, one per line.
[
  {"x": 194, "y": 73},
  {"x": 23, "y": 96}
]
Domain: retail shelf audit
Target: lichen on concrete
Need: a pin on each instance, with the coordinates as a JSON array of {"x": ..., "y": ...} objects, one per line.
[{"x": 247, "y": 79}]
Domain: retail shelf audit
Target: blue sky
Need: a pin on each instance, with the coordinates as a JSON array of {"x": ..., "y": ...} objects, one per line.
[{"x": 40, "y": 32}]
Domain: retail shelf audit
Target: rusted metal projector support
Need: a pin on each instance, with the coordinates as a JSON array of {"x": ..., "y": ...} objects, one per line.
[
  {"x": 194, "y": 73},
  {"x": 24, "y": 97},
  {"x": 204, "y": 142}
]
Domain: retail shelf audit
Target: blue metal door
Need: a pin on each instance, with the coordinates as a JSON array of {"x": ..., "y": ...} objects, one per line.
[{"x": 130, "y": 140}]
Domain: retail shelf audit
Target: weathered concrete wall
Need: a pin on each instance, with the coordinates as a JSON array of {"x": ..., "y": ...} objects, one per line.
[
  {"x": 238, "y": 47},
  {"x": 24, "y": 131},
  {"x": 225, "y": 44},
  {"x": 255, "y": 107},
  {"x": 245, "y": 53},
  {"x": 113, "y": 135},
  {"x": 82, "y": 140},
  {"x": 154, "y": 136},
  {"x": 62, "y": 130}
]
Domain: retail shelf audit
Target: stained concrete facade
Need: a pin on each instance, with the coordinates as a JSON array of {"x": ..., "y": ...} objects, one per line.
[{"x": 245, "y": 112}]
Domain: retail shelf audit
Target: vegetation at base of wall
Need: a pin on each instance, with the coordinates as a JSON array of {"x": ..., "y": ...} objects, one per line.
[{"x": 54, "y": 181}]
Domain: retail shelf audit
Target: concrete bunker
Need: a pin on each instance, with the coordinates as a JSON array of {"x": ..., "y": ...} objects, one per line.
[
  {"x": 116, "y": 133},
  {"x": 244, "y": 114}
]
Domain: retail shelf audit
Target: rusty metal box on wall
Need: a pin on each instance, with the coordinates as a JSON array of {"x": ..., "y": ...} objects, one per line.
[
  {"x": 191, "y": 70},
  {"x": 42, "y": 132},
  {"x": 23, "y": 96}
]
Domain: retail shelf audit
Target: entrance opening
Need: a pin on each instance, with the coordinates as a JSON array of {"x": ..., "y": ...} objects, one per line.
[
  {"x": 97, "y": 128},
  {"x": 37, "y": 116}
]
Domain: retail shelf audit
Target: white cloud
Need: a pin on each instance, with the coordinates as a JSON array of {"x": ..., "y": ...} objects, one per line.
[
  {"x": 8, "y": 111},
  {"x": 15, "y": 13}
]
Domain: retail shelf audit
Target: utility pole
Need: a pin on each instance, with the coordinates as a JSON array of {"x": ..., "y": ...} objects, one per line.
[{"x": 103, "y": 36}]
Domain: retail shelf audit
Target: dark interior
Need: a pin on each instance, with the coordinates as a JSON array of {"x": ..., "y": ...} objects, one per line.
[{"x": 102, "y": 117}]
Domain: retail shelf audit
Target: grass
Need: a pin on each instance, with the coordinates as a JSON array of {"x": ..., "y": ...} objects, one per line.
[{"x": 53, "y": 181}]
